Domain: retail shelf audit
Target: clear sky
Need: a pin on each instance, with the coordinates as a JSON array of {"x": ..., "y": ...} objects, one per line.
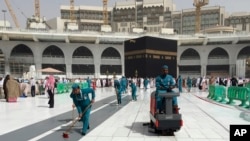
[{"x": 51, "y": 8}]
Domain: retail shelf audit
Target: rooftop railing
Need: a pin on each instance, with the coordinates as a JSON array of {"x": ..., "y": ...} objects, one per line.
[{"x": 120, "y": 34}]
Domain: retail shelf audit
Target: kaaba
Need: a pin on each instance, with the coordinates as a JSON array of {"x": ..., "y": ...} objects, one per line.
[{"x": 145, "y": 56}]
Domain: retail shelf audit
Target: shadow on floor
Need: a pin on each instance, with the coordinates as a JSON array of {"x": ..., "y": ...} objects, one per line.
[
  {"x": 245, "y": 116},
  {"x": 140, "y": 128},
  {"x": 42, "y": 106}
]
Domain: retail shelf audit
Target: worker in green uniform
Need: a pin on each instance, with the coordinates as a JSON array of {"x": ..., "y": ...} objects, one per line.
[{"x": 82, "y": 103}]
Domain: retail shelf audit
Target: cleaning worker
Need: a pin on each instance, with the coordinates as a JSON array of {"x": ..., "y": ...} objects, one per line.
[
  {"x": 179, "y": 83},
  {"x": 189, "y": 83},
  {"x": 89, "y": 82},
  {"x": 145, "y": 83},
  {"x": 82, "y": 101},
  {"x": 118, "y": 90},
  {"x": 164, "y": 83},
  {"x": 133, "y": 90},
  {"x": 123, "y": 84}
]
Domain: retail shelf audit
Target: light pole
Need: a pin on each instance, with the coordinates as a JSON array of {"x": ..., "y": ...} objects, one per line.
[
  {"x": 107, "y": 73},
  {"x": 136, "y": 73},
  {"x": 4, "y": 11}
]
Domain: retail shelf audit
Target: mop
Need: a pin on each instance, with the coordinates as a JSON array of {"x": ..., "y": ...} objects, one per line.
[{"x": 66, "y": 133}]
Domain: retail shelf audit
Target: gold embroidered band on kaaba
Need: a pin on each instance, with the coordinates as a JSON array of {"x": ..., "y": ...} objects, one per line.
[{"x": 150, "y": 51}]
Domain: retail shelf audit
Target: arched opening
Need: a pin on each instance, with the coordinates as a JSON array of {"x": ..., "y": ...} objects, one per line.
[
  {"x": 82, "y": 52},
  {"x": 111, "y": 57},
  {"x": 53, "y": 57},
  {"x": 244, "y": 53},
  {"x": 218, "y": 63},
  {"x": 190, "y": 54},
  {"x": 83, "y": 59},
  {"x": 110, "y": 53},
  {"x": 21, "y": 58},
  {"x": 2, "y": 63},
  {"x": 243, "y": 63},
  {"x": 190, "y": 63},
  {"x": 53, "y": 51}
]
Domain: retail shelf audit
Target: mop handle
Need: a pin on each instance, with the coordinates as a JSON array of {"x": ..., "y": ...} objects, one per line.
[
  {"x": 84, "y": 111},
  {"x": 73, "y": 113},
  {"x": 74, "y": 122}
]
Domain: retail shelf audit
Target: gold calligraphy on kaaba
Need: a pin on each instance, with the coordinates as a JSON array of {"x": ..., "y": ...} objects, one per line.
[{"x": 149, "y": 53}]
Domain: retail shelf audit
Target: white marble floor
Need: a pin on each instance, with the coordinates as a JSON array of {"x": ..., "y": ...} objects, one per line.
[{"x": 203, "y": 120}]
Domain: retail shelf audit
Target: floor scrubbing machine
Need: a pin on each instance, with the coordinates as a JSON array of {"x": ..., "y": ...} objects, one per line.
[{"x": 168, "y": 120}]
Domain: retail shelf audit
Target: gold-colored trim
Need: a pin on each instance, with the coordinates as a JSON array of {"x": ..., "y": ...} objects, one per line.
[
  {"x": 156, "y": 56},
  {"x": 150, "y": 51}
]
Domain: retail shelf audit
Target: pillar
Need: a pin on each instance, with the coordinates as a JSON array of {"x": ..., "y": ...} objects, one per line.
[
  {"x": 38, "y": 72},
  {"x": 203, "y": 70},
  {"x": 7, "y": 64},
  {"x": 97, "y": 70},
  {"x": 232, "y": 70},
  {"x": 68, "y": 70}
]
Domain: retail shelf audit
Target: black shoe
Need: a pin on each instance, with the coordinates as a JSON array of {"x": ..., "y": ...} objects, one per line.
[
  {"x": 88, "y": 127},
  {"x": 51, "y": 107},
  {"x": 83, "y": 133}
]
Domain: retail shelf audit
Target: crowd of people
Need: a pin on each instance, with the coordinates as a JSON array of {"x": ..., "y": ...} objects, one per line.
[
  {"x": 11, "y": 88},
  {"x": 34, "y": 87},
  {"x": 14, "y": 88}
]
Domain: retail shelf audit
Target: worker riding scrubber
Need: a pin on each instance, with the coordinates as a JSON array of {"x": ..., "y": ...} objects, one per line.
[
  {"x": 164, "y": 111},
  {"x": 165, "y": 83}
]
